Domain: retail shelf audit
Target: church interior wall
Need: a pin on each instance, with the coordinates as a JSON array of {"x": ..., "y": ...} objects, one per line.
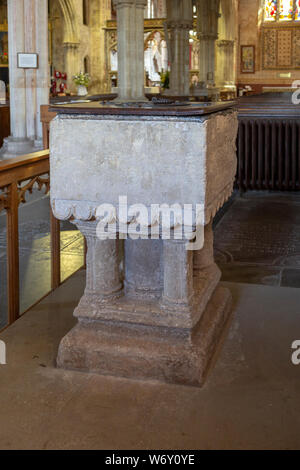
[
  {"x": 241, "y": 21},
  {"x": 250, "y": 27},
  {"x": 89, "y": 43}
]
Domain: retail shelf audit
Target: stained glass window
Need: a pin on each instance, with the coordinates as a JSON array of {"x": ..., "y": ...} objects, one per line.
[
  {"x": 297, "y": 14},
  {"x": 286, "y": 10},
  {"x": 282, "y": 10},
  {"x": 270, "y": 10}
]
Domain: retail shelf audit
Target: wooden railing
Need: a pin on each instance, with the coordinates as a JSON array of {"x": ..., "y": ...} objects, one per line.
[{"x": 18, "y": 176}]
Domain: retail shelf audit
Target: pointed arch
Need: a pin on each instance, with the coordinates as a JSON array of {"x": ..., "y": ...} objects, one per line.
[
  {"x": 71, "y": 28},
  {"x": 228, "y": 19}
]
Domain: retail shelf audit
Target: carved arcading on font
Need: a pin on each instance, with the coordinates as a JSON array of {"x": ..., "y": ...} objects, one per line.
[{"x": 86, "y": 211}]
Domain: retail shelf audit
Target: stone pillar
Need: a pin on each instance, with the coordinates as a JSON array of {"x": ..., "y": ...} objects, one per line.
[
  {"x": 179, "y": 24},
  {"x": 161, "y": 9},
  {"x": 29, "y": 88},
  {"x": 100, "y": 12},
  {"x": 43, "y": 72},
  {"x": 226, "y": 48},
  {"x": 156, "y": 9},
  {"x": 178, "y": 289},
  {"x": 16, "y": 36},
  {"x": 103, "y": 272},
  {"x": 130, "y": 19},
  {"x": 71, "y": 61},
  {"x": 225, "y": 60},
  {"x": 207, "y": 30}
]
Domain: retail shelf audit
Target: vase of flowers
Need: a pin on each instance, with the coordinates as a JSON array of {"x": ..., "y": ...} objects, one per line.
[
  {"x": 4, "y": 58},
  {"x": 165, "y": 80},
  {"x": 81, "y": 80}
]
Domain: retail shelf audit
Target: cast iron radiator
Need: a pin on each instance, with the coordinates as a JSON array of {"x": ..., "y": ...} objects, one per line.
[{"x": 268, "y": 147}]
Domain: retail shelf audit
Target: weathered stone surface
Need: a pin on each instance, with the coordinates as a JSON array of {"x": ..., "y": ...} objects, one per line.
[
  {"x": 143, "y": 256},
  {"x": 149, "y": 160},
  {"x": 170, "y": 355},
  {"x": 165, "y": 319}
]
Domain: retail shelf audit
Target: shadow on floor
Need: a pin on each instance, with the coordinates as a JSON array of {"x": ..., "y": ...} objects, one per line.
[{"x": 257, "y": 239}]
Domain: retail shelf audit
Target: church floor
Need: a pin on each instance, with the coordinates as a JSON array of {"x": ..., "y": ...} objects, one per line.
[
  {"x": 257, "y": 240},
  {"x": 35, "y": 253},
  {"x": 250, "y": 399}
]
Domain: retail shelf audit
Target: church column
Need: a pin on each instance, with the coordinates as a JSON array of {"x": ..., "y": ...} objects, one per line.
[
  {"x": 179, "y": 23},
  {"x": 100, "y": 13},
  {"x": 130, "y": 19},
  {"x": 158, "y": 9},
  {"x": 29, "y": 88},
  {"x": 71, "y": 61},
  {"x": 16, "y": 41},
  {"x": 226, "y": 47},
  {"x": 226, "y": 63},
  {"x": 207, "y": 29},
  {"x": 43, "y": 72},
  {"x": 161, "y": 9}
]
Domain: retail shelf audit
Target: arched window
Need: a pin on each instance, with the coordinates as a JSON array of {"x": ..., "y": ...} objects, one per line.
[
  {"x": 282, "y": 10},
  {"x": 85, "y": 12},
  {"x": 86, "y": 65}
]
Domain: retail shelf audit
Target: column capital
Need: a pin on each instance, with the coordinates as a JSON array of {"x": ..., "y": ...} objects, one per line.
[
  {"x": 225, "y": 43},
  {"x": 71, "y": 45},
  {"x": 180, "y": 24},
  {"x": 141, "y": 3},
  {"x": 208, "y": 36},
  {"x": 127, "y": 3},
  {"x": 122, "y": 3}
]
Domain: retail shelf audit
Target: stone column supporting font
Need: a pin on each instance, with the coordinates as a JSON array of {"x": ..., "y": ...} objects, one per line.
[
  {"x": 177, "y": 288},
  {"x": 103, "y": 271}
]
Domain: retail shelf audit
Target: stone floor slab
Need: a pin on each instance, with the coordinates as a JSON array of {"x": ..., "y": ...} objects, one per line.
[
  {"x": 249, "y": 401},
  {"x": 257, "y": 238}
]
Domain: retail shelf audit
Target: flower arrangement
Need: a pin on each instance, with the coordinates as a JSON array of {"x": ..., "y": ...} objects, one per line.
[
  {"x": 81, "y": 79},
  {"x": 58, "y": 83},
  {"x": 4, "y": 58},
  {"x": 165, "y": 79}
]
